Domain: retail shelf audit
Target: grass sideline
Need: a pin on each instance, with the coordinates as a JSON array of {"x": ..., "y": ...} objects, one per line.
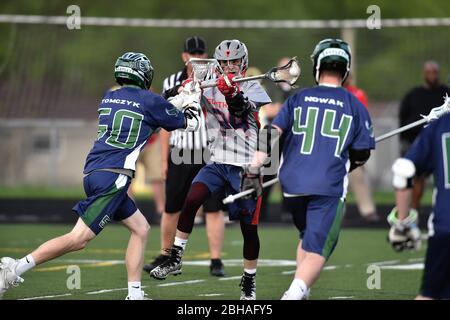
[{"x": 103, "y": 272}]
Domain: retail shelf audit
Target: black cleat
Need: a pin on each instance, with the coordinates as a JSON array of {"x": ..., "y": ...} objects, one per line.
[
  {"x": 216, "y": 268},
  {"x": 171, "y": 266},
  {"x": 248, "y": 286},
  {"x": 156, "y": 262}
]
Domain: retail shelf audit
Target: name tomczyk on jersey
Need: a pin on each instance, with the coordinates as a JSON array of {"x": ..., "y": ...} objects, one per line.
[{"x": 122, "y": 101}]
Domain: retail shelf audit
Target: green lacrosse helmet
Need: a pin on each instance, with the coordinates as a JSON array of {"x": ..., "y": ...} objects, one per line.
[
  {"x": 331, "y": 54},
  {"x": 134, "y": 68}
]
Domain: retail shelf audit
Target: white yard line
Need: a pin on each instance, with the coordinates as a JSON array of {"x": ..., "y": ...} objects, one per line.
[
  {"x": 413, "y": 266},
  {"x": 107, "y": 290},
  {"x": 230, "y": 278},
  {"x": 48, "y": 297},
  {"x": 416, "y": 260},
  {"x": 179, "y": 283},
  {"x": 210, "y": 294},
  {"x": 92, "y": 261},
  {"x": 383, "y": 263},
  {"x": 325, "y": 268},
  {"x": 341, "y": 298}
]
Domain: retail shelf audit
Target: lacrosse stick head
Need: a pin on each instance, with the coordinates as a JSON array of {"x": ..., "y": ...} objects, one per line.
[
  {"x": 203, "y": 69},
  {"x": 438, "y": 112},
  {"x": 288, "y": 73}
]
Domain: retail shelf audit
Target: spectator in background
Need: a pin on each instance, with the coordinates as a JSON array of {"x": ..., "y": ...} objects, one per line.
[
  {"x": 358, "y": 180},
  {"x": 420, "y": 100}
]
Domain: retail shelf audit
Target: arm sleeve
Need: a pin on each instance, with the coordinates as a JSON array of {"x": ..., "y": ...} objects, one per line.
[{"x": 160, "y": 113}]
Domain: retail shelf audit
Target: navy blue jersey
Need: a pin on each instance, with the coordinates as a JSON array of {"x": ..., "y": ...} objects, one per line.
[
  {"x": 320, "y": 125},
  {"x": 430, "y": 153},
  {"x": 127, "y": 118}
]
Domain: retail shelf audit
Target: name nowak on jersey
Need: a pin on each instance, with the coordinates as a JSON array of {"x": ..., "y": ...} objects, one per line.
[{"x": 325, "y": 100}]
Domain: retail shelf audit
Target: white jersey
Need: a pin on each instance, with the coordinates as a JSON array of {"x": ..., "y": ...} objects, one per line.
[
  {"x": 233, "y": 140},
  {"x": 194, "y": 140}
]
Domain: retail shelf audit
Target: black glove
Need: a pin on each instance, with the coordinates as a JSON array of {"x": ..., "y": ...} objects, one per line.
[
  {"x": 238, "y": 105},
  {"x": 251, "y": 179}
]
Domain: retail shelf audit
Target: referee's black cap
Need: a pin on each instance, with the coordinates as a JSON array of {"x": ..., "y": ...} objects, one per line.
[{"x": 195, "y": 44}]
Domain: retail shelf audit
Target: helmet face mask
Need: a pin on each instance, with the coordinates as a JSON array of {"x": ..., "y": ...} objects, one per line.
[
  {"x": 231, "y": 66},
  {"x": 232, "y": 56},
  {"x": 333, "y": 55},
  {"x": 134, "y": 68}
]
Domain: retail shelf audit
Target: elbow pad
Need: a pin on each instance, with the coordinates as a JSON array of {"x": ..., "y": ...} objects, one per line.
[
  {"x": 403, "y": 170},
  {"x": 358, "y": 157}
]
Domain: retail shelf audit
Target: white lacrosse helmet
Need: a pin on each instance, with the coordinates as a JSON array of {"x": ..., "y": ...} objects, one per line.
[{"x": 231, "y": 50}]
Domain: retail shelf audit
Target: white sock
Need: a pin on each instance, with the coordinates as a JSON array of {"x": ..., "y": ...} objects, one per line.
[
  {"x": 180, "y": 242},
  {"x": 134, "y": 288},
  {"x": 25, "y": 264},
  {"x": 250, "y": 271},
  {"x": 298, "y": 287}
]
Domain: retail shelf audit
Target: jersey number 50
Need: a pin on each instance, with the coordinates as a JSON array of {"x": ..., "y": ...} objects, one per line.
[
  {"x": 119, "y": 136},
  {"x": 308, "y": 130}
]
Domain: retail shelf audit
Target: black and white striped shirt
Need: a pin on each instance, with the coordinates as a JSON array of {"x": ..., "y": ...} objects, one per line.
[{"x": 179, "y": 138}]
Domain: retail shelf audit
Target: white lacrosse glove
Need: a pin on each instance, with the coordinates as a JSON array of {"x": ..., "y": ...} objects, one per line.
[
  {"x": 190, "y": 95},
  {"x": 404, "y": 234},
  {"x": 192, "y": 116}
]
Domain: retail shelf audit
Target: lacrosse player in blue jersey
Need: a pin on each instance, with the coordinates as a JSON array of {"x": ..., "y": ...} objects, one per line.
[
  {"x": 429, "y": 154},
  {"x": 127, "y": 117},
  {"x": 326, "y": 133}
]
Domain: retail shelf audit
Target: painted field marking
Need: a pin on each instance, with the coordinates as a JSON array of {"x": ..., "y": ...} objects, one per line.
[
  {"x": 230, "y": 278},
  {"x": 179, "y": 283},
  {"x": 413, "y": 266},
  {"x": 47, "y": 297}
]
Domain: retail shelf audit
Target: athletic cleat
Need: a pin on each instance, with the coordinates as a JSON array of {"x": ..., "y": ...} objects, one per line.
[
  {"x": 158, "y": 260},
  {"x": 216, "y": 268},
  {"x": 143, "y": 296},
  {"x": 248, "y": 286},
  {"x": 8, "y": 276},
  {"x": 171, "y": 266},
  {"x": 296, "y": 296}
]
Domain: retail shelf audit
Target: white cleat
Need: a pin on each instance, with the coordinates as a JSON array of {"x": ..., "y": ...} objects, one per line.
[
  {"x": 143, "y": 296},
  {"x": 298, "y": 295},
  {"x": 8, "y": 276}
]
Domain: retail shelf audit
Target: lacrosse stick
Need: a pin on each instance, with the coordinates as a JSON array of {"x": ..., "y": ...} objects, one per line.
[
  {"x": 202, "y": 69},
  {"x": 434, "y": 114},
  {"x": 288, "y": 73}
]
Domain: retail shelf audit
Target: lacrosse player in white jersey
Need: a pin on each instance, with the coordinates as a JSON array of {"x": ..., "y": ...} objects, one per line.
[{"x": 233, "y": 125}]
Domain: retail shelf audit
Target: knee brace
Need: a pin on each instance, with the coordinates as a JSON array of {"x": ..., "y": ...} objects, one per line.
[
  {"x": 251, "y": 241},
  {"x": 197, "y": 195}
]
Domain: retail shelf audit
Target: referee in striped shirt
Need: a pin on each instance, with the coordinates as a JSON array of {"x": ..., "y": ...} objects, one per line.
[{"x": 190, "y": 147}]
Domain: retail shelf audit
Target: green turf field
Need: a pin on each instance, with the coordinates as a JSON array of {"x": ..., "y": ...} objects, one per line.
[{"x": 103, "y": 272}]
